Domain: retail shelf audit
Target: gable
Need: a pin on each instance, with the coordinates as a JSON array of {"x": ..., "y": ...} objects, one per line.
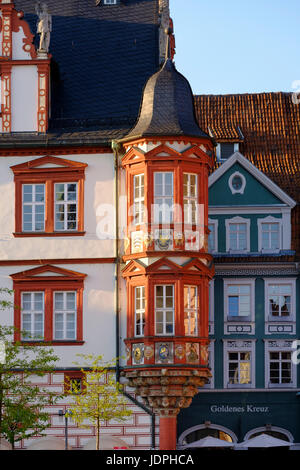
[{"x": 255, "y": 193}]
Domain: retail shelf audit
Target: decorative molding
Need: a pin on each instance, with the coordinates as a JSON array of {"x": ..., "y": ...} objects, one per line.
[
  {"x": 237, "y": 157},
  {"x": 242, "y": 188}
]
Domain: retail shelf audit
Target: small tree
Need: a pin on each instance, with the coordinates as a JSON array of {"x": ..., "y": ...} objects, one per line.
[
  {"x": 22, "y": 420},
  {"x": 21, "y": 402},
  {"x": 99, "y": 397}
]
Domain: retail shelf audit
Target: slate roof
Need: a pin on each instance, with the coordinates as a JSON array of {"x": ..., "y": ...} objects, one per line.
[
  {"x": 270, "y": 124},
  {"x": 167, "y": 106},
  {"x": 101, "y": 58}
]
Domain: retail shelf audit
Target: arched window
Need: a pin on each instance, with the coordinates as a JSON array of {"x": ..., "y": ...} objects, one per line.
[
  {"x": 203, "y": 430},
  {"x": 273, "y": 431}
]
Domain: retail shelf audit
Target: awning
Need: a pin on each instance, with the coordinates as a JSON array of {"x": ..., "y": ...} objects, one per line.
[
  {"x": 210, "y": 441},
  {"x": 107, "y": 442},
  {"x": 264, "y": 440}
]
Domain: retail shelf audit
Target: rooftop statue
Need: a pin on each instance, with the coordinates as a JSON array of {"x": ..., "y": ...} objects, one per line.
[{"x": 44, "y": 26}]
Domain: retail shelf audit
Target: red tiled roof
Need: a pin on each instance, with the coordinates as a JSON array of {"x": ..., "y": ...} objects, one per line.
[{"x": 270, "y": 124}]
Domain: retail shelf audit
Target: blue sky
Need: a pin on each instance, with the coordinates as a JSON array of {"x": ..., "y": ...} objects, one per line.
[{"x": 237, "y": 46}]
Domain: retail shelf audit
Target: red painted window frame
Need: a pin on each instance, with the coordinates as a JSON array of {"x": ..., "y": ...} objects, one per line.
[
  {"x": 34, "y": 172},
  {"x": 29, "y": 281}
]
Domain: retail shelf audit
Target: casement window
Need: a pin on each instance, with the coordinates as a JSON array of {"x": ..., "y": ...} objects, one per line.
[
  {"x": 238, "y": 235},
  {"x": 191, "y": 309},
  {"x": 66, "y": 206},
  {"x": 33, "y": 311},
  {"x": 280, "y": 303},
  {"x": 138, "y": 200},
  {"x": 280, "y": 367},
  {"x": 139, "y": 310},
  {"x": 49, "y": 197},
  {"x": 163, "y": 197},
  {"x": 238, "y": 301},
  {"x": 269, "y": 234},
  {"x": 239, "y": 368},
  {"x": 239, "y": 364},
  {"x": 190, "y": 198},
  {"x": 164, "y": 310},
  {"x": 212, "y": 239},
  {"x": 33, "y": 210},
  {"x": 281, "y": 370},
  {"x": 65, "y": 312},
  {"x": 48, "y": 305}
]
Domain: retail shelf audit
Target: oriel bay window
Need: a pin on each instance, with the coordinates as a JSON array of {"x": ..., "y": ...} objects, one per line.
[
  {"x": 163, "y": 197},
  {"x": 49, "y": 197},
  {"x": 139, "y": 310},
  {"x": 190, "y": 198},
  {"x": 164, "y": 310},
  {"x": 138, "y": 200},
  {"x": 191, "y": 306},
  {"x": 48, "y": 307}
]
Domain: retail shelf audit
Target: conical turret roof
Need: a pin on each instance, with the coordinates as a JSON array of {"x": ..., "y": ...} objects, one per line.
[{"x": 167, "y": 107}]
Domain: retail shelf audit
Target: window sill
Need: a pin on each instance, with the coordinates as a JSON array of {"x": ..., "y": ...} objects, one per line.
[
  {"x": 52, "y": 343},
  {"x": 48, "y": 234},
  {"x": 281, "y": 320}
]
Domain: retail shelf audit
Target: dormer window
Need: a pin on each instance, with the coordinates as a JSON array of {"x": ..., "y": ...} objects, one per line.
[
  {"x": 226, "y": 149},
  {"x": 109, "y": 2}
]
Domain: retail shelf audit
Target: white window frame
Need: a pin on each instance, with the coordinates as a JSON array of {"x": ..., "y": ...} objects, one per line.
[
  {"x": 279, "y": 346},
  {"x": 189, "y": 200},
  {"x": 215, "y": 223},
  {"x": 32, "y": 314},
  {"x": 242, "y": 188},
  {"x": 237, "y": 220},
  {"x": 163, "y": 198},
  {"x": 280, "y": 281},
  {"x": 194, "y": 310},
  {"x": 239, "y": 346},
  {"x": 139, "y": 202},
  {"x": 64, "y": 312},
  {"x": 109, "y": 2},
  {"x": 33, "y": 204},
  {"x": 269, "y": 220},
  {"x": 139, "y": 312},
  {"x": 65, "y": 204},
  {"x": 239, "y": 282},
  {"x": 164, "y": 309}
]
